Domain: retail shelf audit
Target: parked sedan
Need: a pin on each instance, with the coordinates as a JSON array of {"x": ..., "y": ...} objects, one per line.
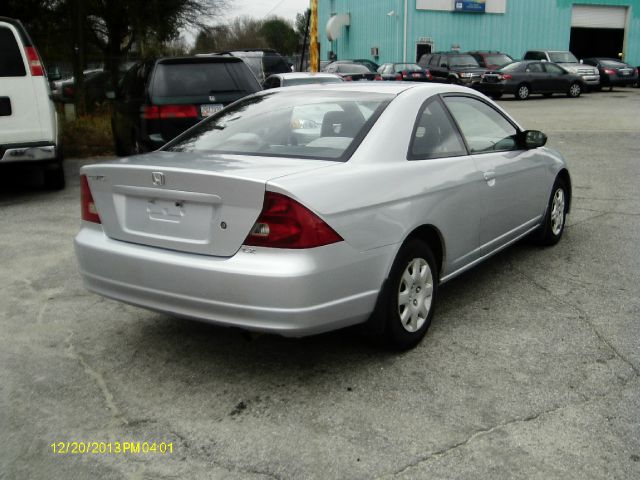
[
  {"x": 300, "y": 78},
  {"x": 239, "y": 223},
  {"x": 352, "y": 71},
  {"x": 527, "y": 77},
  {"x": 614, "y": 73},
  {"x": 407, "y": 72}
]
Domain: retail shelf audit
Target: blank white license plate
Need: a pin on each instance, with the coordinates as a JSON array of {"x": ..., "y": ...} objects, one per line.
[{"x": 210, "y": 109}]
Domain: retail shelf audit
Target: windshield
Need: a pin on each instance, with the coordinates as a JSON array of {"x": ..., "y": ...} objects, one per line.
[
  {"x": 462, "y": 61},
  {"x": 562, "y": 57},
  {"x": 301, "y": 124}
]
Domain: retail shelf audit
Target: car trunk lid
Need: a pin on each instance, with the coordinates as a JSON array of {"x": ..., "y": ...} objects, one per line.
[{"x": 197, "y": 203}]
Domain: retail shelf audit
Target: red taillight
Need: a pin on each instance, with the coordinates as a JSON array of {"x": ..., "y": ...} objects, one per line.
[
  {"x": 399, "y": 76},
  {"x": 88, "y": 207},
  {"x": 35, "y": 65},
  {"x": 428, "y": 74},
  {"x": 68, "y": 91},
  {"x": 505, "y": 76},
  {"x": 609, "y": 71},
  {"x": 285, "y": 223},
  {"x": 151, "y": 112},
  {"x": 378, "y": 77}
]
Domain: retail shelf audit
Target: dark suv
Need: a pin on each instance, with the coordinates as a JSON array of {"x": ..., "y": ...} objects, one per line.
[
  {"x": 452, "y": 67},
  {"x": 157, "y": 100}
]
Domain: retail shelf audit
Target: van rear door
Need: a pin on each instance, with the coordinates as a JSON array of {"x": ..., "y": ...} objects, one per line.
[{"x": 26, "y": 111}]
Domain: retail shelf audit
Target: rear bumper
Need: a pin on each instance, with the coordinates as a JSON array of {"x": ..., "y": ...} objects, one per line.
[
  {"x": 288, "y": 292},
  {"x": 28, "y": 152},
  {"x": 616, "y": 81}
]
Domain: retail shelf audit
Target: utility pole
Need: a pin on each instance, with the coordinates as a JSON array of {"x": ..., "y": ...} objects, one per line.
[{"x": 314, "y": 59}]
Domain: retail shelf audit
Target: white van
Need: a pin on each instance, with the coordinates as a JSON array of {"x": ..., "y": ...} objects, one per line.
[{"x": 28, "y": 120}]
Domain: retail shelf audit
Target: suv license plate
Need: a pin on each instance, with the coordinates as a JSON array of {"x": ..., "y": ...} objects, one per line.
[{"x": 210, "y": 109}]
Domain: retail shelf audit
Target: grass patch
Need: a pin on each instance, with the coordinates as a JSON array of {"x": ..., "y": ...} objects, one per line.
[{"x": 88, "y": 135}]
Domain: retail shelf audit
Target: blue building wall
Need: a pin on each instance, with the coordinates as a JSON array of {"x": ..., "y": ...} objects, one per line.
[{"x": 527, "y": 24}]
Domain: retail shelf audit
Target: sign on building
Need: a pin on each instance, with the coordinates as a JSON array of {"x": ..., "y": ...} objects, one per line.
[{"x": 469, "y": 6}]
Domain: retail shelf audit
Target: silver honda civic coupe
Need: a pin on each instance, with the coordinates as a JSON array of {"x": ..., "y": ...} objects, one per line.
[{"x": 301, "y": 210}]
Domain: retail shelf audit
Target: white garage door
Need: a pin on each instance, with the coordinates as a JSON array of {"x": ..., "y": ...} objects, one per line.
[{"x": 590, "y": 16}]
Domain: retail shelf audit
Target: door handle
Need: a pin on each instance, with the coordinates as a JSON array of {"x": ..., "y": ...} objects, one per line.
[{"x": 490, "y": 178}]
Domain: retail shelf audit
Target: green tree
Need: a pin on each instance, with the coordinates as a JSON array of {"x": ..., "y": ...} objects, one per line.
[{"x": 280, "y": 35}]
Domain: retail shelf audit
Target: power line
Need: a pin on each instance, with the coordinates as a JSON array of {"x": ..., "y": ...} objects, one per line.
[{"x": 276, "y": 6}]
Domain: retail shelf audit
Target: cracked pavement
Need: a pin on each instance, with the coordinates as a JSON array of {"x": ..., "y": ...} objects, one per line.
[{"x": 530, "y": 369}]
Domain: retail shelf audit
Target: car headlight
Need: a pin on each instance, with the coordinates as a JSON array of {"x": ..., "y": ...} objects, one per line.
[{"x": 466, "y": 75}]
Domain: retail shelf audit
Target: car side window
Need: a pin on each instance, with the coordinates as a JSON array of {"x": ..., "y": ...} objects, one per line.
[
  {"x": 11, "y": 63},
  {"x": 534, "y": 68},
  {"x": 435, "y": 61},
  {"x": 484, "y": 128},
  {"x": 434, "y": 134},
  {"x": 551, "y": 68}
]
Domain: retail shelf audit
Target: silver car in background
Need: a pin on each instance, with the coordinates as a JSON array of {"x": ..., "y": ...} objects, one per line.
[{"x": 301, "y": 210}]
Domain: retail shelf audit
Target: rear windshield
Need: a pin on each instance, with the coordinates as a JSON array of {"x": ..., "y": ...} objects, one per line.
[
  {"x": 510, "y": 67},
  {"x": 462, "y": 61},
  {"x": 352, "y": 68},
  {"x": 612, "y": 63},
  {"x": 498, "y": 59},
  {"x": 562, "y": 57},
  {"x": 409, "y": 67},
  {"x": 11, "y": 64},
  {"x": 289, "y": 82},
  {"x": 300, "y": 124},
  {"x": 201, "y": 79}
]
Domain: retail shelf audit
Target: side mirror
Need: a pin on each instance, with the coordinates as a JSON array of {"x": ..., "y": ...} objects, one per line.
[
  {"x": 534, "y": 139},
  {"x": 111, "y": 95}
]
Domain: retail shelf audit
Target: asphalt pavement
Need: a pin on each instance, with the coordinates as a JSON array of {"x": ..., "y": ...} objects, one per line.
[{"x": 530, "y": 369}]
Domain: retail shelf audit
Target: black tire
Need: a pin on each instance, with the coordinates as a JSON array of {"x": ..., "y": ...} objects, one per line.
[
  {"x": 53, "y": 175},
  {"x": 137, "y": 147},
  {"x": 414, "y": 256},
  {"x": 552, "y": 228},
  {"x": 523, "y": 91},
  {"x": 575, "y": 90},
  {"x": 120, "y": 150}
]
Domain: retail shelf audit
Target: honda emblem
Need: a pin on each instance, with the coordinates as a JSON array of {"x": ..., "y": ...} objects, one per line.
[{"x": 157, "y": 178}]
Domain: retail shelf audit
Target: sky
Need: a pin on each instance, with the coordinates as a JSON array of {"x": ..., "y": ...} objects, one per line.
[{"x": 261, "y": 8}]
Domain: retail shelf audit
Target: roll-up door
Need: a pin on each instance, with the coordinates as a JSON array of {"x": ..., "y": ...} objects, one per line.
[{"x": 590, "y": 16}]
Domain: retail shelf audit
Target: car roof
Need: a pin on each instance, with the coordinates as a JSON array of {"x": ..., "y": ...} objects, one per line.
[
  {"x": 294, "y": 75},
  {"x": 393, "y": 88},
  {"x": 200, "y": 59}
]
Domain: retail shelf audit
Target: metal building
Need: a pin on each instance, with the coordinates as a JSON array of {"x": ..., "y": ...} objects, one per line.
[{"x": 403, "y": 30}]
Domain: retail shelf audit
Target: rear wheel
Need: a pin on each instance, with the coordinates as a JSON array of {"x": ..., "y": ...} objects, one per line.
[
  {"x": 523, "y": 91},
  {"x": 53, "y": 174},
  {"x": 411, "y": 296},
  {"x": 120, "y": 150},
  {"x": 574, "y": 90}
]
